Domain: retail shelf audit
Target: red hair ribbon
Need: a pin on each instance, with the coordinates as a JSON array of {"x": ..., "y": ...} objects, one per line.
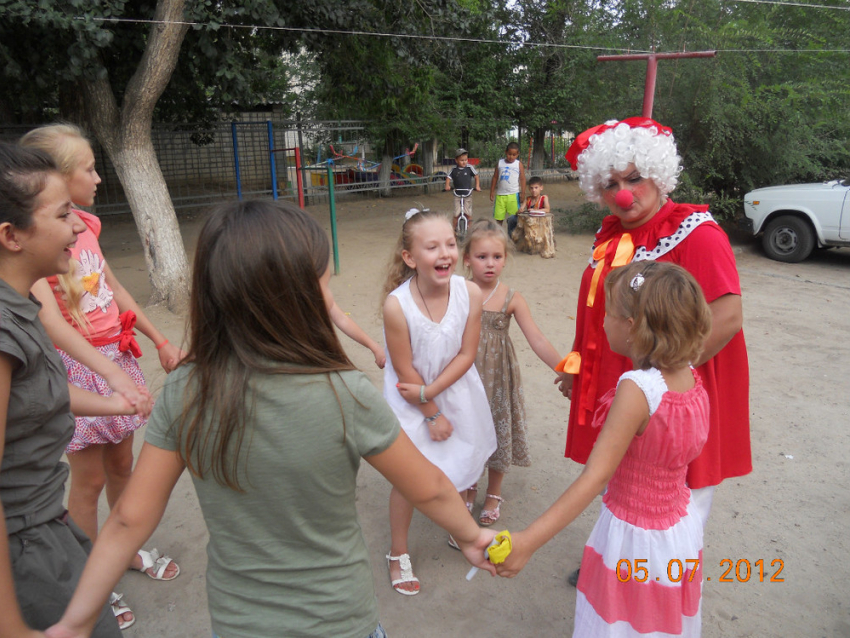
[{"x": 582, "y": 140}]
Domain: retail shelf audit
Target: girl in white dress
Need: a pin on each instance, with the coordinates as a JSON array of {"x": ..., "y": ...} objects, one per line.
[{"x": 432, "y": 320}]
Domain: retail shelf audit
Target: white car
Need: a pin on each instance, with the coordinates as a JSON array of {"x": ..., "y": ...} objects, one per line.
[{"x": 796, "y": 218}]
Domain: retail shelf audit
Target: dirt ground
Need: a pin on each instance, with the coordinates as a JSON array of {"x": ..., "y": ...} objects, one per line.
[{"x": 790, "y": 511}]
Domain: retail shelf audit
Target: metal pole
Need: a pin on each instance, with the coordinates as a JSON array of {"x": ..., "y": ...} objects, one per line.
[
  {"x": 331, "y": 199},
  {"x": 651, "y": 69},
  {"x": 649, "y": 85},
  {"x": 272, "y": 161},
  {"x": 298, "y": 172},
  {"x": 303, "y": 175},
  {"x": 236, "y": 160}
]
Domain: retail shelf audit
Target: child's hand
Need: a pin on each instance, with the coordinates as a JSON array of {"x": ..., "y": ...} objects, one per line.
[
  {"x": 118, "y": 404},
  {"x": 517, "y": 559},
  {"x": 122, "y": 383},
  {"x": 478, "y": 188},
  {"x": 380, "y": 357},
  {"x": 447, "y": 188},
  {"x": 410, "y": 392},
  {"x": 169, "y": 356},
  {"x": 474, "y": 552},
  {"x": 144, "y": 406},
  {"x": 61, "y": 631},
  {"x": 440, "y": 429},
  {"x": 492, "y": 197},
  {"x": 566, "y": 384}
]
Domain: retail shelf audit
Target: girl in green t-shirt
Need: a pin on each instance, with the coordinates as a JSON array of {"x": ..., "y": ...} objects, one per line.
[{"x": 259, "y": 332}]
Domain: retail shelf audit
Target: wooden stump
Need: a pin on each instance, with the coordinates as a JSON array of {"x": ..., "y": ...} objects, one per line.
[{"x": 535, "y": 235}]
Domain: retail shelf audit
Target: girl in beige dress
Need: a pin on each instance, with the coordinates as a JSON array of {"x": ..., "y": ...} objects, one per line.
[{"x": 484, "y": 256}]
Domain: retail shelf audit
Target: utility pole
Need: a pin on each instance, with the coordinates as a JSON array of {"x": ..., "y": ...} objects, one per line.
[{"x": 652, "y": 68}]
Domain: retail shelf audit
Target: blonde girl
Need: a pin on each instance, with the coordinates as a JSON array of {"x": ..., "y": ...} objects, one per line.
[
  {"x": 484, "y": 255},
  {"x": 272, "y": 423},
  {"x": 94, "y": 303},
  {"x": 654, "y": 423},
  {"x": 432, "y": 319}
]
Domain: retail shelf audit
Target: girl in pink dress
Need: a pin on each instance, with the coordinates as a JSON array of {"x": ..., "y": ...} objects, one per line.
[{"x": 641, "y": 568}]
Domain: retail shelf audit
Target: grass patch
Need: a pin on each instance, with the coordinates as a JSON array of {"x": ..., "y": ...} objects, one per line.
[{"x": 586, "y": 218}]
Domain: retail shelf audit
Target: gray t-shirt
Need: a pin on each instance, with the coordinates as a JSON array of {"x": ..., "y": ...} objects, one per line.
[
  {"x": 287, "y": 557},
  {"x": 38, "y": 423}
]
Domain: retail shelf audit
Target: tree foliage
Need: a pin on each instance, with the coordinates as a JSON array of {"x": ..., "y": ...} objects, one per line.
[{"x": 772, "y": 107}]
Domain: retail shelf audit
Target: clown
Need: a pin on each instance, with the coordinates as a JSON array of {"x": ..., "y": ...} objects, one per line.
[{"x": 630, "y": 166}]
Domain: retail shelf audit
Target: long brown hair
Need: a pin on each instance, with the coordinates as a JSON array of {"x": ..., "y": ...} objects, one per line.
[
  {"x": 256, "y": 307},
  {"x": 398, "y": 271}
]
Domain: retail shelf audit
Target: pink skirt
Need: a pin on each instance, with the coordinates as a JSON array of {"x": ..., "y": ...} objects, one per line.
[
  {"x": 618, "y": 605},
  {"x": 98, "y": 430}
]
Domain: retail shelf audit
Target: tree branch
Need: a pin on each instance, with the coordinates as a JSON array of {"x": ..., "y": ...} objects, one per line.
[{"x": 156, "y": 66}]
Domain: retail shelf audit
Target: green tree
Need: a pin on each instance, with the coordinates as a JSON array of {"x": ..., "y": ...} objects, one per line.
[{"x": 72, "y": 59}]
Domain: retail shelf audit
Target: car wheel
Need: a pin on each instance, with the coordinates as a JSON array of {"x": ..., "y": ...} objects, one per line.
[{"x": 789, "y": 239}]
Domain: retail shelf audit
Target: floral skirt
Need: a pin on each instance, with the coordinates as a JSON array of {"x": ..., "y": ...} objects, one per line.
[{"x": 98, "y": 430}]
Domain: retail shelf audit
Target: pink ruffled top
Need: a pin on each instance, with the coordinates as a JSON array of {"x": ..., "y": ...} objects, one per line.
[{"x": 648, "y": 488}]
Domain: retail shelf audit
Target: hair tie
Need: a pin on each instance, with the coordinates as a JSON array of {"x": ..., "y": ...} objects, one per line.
[
  {"x": 637, "y": 281},
  {"x": 412, "y": 212}
]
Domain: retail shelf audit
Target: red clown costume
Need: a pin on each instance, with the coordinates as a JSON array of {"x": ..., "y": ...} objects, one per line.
[
  {"x": 648, "y": 516},
  {"x": 686, "y": 235}
]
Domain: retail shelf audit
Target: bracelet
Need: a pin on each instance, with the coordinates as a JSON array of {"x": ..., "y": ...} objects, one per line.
[
  {"x": 422, "y": 398},
  {"x": 433, "y": 417},
  {"x": 162, "y": 345}
]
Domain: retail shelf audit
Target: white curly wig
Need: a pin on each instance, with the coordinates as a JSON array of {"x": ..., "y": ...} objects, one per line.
[{"x": 652, "y": 152}]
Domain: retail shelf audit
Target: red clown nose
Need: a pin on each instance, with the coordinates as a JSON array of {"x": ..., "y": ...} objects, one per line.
[{"x": 624, "y": 199}]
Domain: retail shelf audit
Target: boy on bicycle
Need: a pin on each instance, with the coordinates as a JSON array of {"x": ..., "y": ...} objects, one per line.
[{"x": 465, "y": 179}]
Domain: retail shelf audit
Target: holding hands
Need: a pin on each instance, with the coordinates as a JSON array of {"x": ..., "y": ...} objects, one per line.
[
  {"x": 169, "y": 356},
  {"x": 564, "y": 381}
]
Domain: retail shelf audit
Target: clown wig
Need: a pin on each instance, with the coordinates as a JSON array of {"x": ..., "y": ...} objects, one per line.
[{"x": 651, "y": 150}]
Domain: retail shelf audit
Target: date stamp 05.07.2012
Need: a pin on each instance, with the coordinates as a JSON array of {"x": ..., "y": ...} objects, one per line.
[{"x": 734, "y": 571}]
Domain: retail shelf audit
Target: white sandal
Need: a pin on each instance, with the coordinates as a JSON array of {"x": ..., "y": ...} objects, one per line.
[
  {"x": 406, "y": 575},
  {"x": 160, "y": 563},
  {"x": 118, "y": 609}
]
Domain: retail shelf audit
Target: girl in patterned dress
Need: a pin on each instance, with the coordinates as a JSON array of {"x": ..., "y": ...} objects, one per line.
[
  {"x": 640, "y": 569},
  {"x": 484, "y": 254},
  {"x": 94, "y": 303}
]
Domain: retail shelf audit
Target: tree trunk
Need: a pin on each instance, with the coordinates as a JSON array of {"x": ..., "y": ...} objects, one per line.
[
  {"x": 535, "y": 235},
  {"x": 384, "y": 186},
  {"x": 165, "y": 256},
  {"x": 538, "y": 152},
  {"x": 429, "y": 155},
  {"x": 125, "y": 135}
]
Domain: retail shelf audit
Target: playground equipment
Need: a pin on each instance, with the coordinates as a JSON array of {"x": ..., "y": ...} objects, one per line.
[{"x": 272, "y": 162}]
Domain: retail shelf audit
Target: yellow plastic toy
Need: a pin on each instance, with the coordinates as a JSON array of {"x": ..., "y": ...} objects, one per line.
[{"x": 499, "y": 551}]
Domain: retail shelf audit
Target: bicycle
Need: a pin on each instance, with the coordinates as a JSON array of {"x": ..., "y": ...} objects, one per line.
[{"x": 462, "y": 221}]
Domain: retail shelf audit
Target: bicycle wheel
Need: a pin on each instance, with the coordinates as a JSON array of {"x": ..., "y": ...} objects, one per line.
[{"x": 461, "y": 226}]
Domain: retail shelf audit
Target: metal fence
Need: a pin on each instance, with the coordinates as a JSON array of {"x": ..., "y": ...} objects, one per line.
[{"x": 255, "y": 156}]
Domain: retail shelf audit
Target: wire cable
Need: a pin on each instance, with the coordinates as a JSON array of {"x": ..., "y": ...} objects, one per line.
[
  {"x": 371, "y": 33},
  {"x": 468, "y": 40},
  {"x": 796, "y": 4}
]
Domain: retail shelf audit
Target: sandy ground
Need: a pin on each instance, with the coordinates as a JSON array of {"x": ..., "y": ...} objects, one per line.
[{"x": 791, "y": 510}]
